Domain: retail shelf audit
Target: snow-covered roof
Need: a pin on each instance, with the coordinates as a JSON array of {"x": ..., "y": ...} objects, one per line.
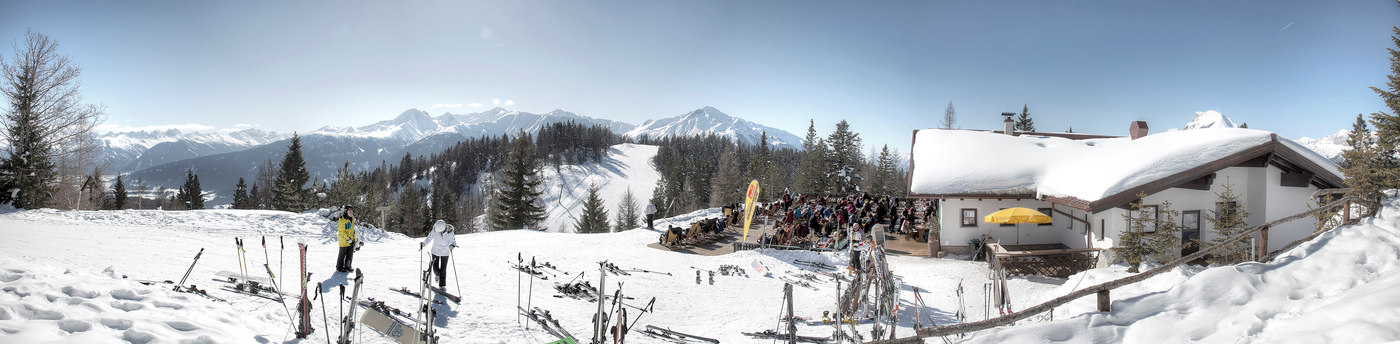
[{"x": 965, "y": 162}]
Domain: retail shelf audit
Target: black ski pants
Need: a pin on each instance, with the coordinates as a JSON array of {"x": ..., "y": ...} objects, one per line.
[
  {"x": 439, "y": 268},
  {"x": 342, "y": 261}
]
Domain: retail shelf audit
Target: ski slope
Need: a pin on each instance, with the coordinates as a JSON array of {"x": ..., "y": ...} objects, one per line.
[{"x": 626, "y": 167}]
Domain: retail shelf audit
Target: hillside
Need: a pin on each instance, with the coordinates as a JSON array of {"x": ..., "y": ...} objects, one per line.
[{"x": 627, "y": 166}]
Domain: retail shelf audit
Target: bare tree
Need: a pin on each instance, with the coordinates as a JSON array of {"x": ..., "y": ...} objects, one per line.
[
  {"x": 46, "y": 124},
  {"x": 950, "y": 118}
]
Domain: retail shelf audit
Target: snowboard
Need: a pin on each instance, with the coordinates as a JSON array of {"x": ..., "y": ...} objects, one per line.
[{"x": 393, "y": 328}]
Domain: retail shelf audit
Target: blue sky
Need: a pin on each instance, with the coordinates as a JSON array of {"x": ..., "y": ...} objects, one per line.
[{"x": 1299, "y": 68}]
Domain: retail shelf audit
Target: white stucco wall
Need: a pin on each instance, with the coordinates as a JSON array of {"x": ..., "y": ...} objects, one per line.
[
  {"x": 1286, "y": 201},
  {"x": 1259, "y": 189},
  {"x": 955, "y": 235}
]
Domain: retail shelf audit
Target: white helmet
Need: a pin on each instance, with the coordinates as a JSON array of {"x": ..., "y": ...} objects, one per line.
[{"x": 440, "y": 225}]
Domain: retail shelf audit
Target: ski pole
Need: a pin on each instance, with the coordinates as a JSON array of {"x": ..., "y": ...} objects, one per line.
[
  {"x": 455, "y": 276},
  {"x": 341, "y": 305},
  {"x": 280, "y": 254},
  {"x": 266, "y": 259},
  {"x": 280, "y": 298},
  {"x": 325, "y": 321},
  {"x": 238, "y": 249},
  {"x": 187, "y": 271}
]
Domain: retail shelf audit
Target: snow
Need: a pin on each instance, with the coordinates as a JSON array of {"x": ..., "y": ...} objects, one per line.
[
  {"x": 1210, "y": 119},
  {"x": 985, "y": 162},
  {"x": 1338, "y": 288},
  {"x": 158, "y": 245},
  {"x": 1330, "y": 146},
  {"x": 625, "y": 166},
  {"x": 61, "y": 280},
  {"x": 709, "y": 120}
]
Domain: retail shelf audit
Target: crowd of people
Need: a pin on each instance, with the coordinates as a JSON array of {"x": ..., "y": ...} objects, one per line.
[{"x": 823, "y": 221}]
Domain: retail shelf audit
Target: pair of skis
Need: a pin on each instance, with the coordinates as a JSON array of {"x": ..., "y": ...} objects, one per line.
[{"x": 669, "y": 335}]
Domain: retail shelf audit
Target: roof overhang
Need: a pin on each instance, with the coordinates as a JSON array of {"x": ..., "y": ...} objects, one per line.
[{"x": 1272, "y": 153}]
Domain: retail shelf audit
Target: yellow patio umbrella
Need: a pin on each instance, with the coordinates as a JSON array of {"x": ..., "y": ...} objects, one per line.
[{"x": 1017, "y": 215}]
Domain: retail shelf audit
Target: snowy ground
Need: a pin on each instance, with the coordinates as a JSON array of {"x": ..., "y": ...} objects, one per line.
[
  {"x": 61, "y": 281},
  {"x": 1338, "y": 288},
  {"x": 61, "y": 276}
]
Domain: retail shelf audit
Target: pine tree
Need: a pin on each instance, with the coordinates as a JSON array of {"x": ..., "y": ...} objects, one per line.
[
  {"x": 444, "y": 203},
  {"x": 761, "y": 166},
  {"x": 289, "y": 192},
  {"x": 1024, "y": 122},
  {"x": 119, "y": 194},
  {"x": 1151, "y": 235},
  {"x": 885, "y": 180},
  {"x": 1359, "y": 165},
  {"x": 407, "y": 216},
  {"x": 659, "y": 199},
  {"x": 515, "y": 204},
  {"x": 45, "y": 123},
  {"x": 950, "y": 118},
  {"x": 627, "y": 212},
  {"x": 347, "y": 189},
  {"x": 594, "y": 218},
  {"x": 810, "y": 170},
  {"x": 240, "y": 195},
  {"x": 1228, "y": 219},
  {"x": 190, "y": 196},
  {"x": 253, "y": 198},
  {"x": 725, "y": 188},
  {"x": 843, "y": 162},
  {"x": 1387, "y": 161}
]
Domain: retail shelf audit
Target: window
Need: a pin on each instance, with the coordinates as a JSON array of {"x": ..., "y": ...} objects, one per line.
[
  {"x": 969, "y": 217},
  {"x": 1191, "y": 220},
  {"x": 1049, "y": 212},
  {"x": 1007, "y": 224},
  {"x": 1226, "y": 209},
  {"x": 1150, "y": 227}
]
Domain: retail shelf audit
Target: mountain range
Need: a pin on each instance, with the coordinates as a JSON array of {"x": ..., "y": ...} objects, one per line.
[{"x": 161, "y": 158}]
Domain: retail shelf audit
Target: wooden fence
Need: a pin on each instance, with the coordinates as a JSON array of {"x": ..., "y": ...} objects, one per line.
[{"x": 1102, "y": 289}]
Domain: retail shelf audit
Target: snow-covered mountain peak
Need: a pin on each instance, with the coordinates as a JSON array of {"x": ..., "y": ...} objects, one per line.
[
  {"x": 1330, "y": 146},
  {"x": 1210, "y": 119},
  {"x": 709, "y": 120},
  {"x": 708, "y": 112}
]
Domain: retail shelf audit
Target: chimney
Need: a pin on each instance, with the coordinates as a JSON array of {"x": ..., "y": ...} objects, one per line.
[
  {"x": 1009, "y": 124},
  {"x": 1137, "y": 129}
]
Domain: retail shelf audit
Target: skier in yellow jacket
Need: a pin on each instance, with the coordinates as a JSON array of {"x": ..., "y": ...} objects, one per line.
[{"x": 345, "y": 232}]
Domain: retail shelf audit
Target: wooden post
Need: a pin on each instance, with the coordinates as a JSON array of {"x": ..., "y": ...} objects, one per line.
[
  {"x": 1263, "y": 242},
  {"x": 1104, "y": 301},
  {"x": 1346, "y": 212}
]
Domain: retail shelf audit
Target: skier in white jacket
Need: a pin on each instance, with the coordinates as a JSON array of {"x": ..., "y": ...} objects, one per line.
[{"x": 443, "y": 242}]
